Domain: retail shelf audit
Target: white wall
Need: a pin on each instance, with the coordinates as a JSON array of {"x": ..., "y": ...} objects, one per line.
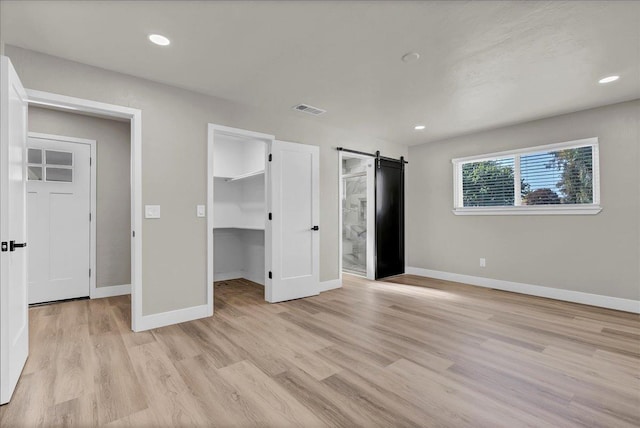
[
  {"x": 174, "y": 133},
  {"x": 597, "y": 254}
]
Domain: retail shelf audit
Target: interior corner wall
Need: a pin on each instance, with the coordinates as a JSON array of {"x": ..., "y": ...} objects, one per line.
[
  {"x": 113, "y": 188},
  {"x": 174, "y": 169},
  {"x": 597, "y": 254}
]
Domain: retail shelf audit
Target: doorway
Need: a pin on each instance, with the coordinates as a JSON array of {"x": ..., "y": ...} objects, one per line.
[
  {"x": 60, "y": 204},
  {"x": 357, "y": 215},
  {"x": 371, "y": 214},
  {"x": 263, "y": 213},
  {"x": 134, "y": 117}
]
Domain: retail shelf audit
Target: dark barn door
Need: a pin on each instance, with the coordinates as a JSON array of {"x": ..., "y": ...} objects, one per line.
[{"x": 389, "y": 218}]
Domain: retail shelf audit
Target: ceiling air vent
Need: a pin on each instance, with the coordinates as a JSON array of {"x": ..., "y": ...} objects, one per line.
[{"x": 305, "y": 108}]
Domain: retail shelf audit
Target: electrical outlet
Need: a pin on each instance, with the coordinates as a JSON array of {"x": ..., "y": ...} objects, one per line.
[
  {"x": 200, "y": 211},
  {"x": 483, "y": 262}
]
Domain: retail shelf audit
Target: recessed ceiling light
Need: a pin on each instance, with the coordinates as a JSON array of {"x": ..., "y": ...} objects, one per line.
[
  {"x": 608, "y": 79},
  {"x": 159, "y": 40},
  {"x": 410, "y": 57},
  {"x": 419, "y": 127}
]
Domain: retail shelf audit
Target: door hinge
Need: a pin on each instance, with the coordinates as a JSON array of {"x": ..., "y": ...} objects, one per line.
[
  {"x": 270, "y": 275},
  {"x": 89, "y": 216},
  {"x": 89, "y": 272},
  {"x": 133, "y": 233},
  {"x": 270, "y": 157},
  {"x": 270, "y": 216},
  {"x": 90, "y": 161}
]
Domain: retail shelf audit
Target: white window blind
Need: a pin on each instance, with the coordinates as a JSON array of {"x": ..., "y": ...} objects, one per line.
[
  {"x": 557, "y": 177},
  {"x": 554, "y": 179},
  {"x": 488, "y": 183}
]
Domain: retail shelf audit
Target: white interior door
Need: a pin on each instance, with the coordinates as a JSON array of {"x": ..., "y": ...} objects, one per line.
[
  {"x": 14, "y": 315},
  {"x": 294, "y": 197},
  {"x": 59, "y": 221}
]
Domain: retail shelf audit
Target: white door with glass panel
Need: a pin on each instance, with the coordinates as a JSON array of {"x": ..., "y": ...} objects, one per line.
[{"x": 59, "y": 218}]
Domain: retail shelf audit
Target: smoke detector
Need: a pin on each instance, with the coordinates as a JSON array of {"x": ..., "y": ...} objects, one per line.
[{"x": 306, "y": 108}]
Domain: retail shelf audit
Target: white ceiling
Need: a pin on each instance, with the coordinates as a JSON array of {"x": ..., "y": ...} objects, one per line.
[{"x": 483, "y": 64}]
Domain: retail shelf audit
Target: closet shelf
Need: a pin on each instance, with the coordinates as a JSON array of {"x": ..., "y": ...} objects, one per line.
[
  {"x": 243, "y": 176},
  {"x": 239, "y": 227}
]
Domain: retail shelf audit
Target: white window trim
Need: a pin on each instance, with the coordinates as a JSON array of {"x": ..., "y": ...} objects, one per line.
[{"x": 582, "y": 209}]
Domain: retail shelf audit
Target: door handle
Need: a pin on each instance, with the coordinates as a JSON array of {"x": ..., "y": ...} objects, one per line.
[
  {"x": 13, "y": 245},
  {"x": 315, "y": 228}
]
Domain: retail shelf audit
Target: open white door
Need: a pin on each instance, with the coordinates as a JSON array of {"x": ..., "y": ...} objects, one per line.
[
  {"x": 294, "y": 200},
  {"x": 14, "y": 315}
]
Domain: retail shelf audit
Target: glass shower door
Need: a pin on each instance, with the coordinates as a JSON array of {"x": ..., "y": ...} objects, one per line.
[{"x": 354, "y": 223}]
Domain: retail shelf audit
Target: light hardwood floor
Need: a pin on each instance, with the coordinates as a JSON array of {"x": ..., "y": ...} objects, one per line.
[{"x": 408, "y": 352}]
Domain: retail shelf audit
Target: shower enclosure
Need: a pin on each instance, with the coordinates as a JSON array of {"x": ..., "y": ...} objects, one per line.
[{"x": 354, "y": 215}]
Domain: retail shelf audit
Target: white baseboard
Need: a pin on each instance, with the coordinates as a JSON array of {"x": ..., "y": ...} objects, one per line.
[
  {"x": 113, "y": 290},
  {"x": 173, "y": 317},
  {"x": 627, "y": 305},
  {"x": 257, "y": 277},
  {"x": 225, "y": 276},
  {"x": 332, "y": 284}
]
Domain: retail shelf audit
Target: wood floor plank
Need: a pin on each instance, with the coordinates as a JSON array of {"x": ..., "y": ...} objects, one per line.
[
  {"x": 218, "y": 399},
  {"x": 166, "y": 393},
  {"x": 279, "y": 407},
  {"x": 117, "y": 388},
  {"x": 409, "y": 351},
  {"x": 175, "y": 343}
]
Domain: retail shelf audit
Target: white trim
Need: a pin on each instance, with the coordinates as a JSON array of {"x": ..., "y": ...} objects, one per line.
[
  {"x": 135, "y": 118},
  {"x": 332, "y": 284},
  {"x": 212, "y": 129},
  {"x": 162, "y": 319},
  {"x": 517, "y": 178},
  {"x": 585, "y": 209},
  {"x": 62, "y": 138},
  {"x": 210, "y": 180},
  {"x": 92, "y": 196},
  {"x": 596, "y": 173},
  {"x": 49, "y": 99},
  {"x": 227, "y": 130},
  {"x": 110, "y": 291},
  {"x": 627, "y": 305}
]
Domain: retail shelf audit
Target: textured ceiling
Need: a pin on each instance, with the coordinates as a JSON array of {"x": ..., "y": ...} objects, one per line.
[{"x": 483, "y": 64}]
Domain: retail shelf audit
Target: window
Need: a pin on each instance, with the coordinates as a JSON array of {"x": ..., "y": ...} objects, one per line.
[
  {"x": 554, "y": 179},
  {"x": 58, "y": 165}
]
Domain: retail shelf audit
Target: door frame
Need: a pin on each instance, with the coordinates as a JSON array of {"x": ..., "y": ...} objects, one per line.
[
  {"x": 92, "y": 197},
  {"x": 212, "y": 129},
  {"x": 371, "y": 213},
  {"x": 134, "y": 117}
]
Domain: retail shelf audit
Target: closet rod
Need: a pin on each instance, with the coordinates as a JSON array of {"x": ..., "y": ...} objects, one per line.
[{"x": 373, "y": 155}]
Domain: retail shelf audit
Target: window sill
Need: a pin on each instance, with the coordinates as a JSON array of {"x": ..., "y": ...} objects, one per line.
[{"x": 530, "y": 210}]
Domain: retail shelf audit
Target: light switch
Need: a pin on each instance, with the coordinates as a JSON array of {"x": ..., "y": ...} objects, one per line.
[
  {"x": 201, "y": 211},
  {"x": 152, "y": 211}
]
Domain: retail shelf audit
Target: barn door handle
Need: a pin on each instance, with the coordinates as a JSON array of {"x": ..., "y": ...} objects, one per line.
[
  {"x": 13, "y": 245},
  {"x": 315, "y": 228}
]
